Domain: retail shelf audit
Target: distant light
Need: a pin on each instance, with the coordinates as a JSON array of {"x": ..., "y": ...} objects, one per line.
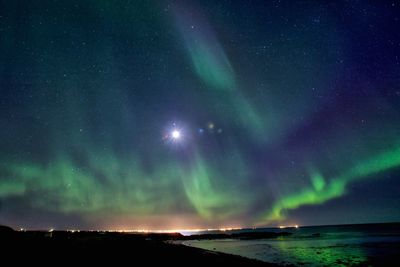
[
  {"x": 185, "y": 232},
  {"x": 176, "y": 134},
  {"x": 51, "y": 230},
  {"x": 282, "y": 227},
  {"x": 227, "y": 229},
  {"x": 296, "y": 226}
]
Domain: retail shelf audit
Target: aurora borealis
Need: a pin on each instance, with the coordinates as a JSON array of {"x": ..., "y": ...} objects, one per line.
[{"x": 288, "y": 113}]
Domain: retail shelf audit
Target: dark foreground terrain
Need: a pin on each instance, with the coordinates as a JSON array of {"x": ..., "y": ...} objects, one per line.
[{"x": 59, "y": 247}]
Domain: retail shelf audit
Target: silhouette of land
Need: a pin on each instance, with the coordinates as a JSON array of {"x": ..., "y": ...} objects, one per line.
[
  {"x": 58, "y": 247},
  {"x": 142, "y": 249}
]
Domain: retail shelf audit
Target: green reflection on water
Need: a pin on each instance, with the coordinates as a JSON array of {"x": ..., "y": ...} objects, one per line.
[{"x": 322, "y": 253}]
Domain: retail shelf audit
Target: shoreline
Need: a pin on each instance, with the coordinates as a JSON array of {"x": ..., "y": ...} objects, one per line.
[
  {"x": 315, "y": 247},
  {"x": 116, "y": 248}
]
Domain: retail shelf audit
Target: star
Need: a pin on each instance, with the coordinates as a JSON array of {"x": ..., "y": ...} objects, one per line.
[{"x": 176, "y": 134}]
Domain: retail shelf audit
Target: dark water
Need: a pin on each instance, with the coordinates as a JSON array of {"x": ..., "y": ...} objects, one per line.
[{"x": 343, "y": 245}]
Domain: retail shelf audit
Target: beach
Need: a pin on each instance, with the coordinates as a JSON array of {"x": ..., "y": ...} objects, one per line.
[{"x": 340, "y": 245}]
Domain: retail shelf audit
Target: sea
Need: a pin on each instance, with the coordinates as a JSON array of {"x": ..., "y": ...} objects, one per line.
[{"x": 337, "y": 245}]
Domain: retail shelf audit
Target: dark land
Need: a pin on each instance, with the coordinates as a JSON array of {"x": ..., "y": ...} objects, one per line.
[{"x": 116, "y": 249}]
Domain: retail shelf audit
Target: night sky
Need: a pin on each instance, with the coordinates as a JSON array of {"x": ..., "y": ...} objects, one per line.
[{"x": 198, "y": 114}]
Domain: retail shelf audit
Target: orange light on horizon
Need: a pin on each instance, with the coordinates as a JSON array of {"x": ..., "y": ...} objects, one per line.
[
  {"x": 284, "y": 226},
  {"x": 169, "y": 231}
]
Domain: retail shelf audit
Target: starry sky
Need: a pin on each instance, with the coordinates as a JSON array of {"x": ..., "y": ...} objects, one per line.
[{"x": 198, "y": 114}]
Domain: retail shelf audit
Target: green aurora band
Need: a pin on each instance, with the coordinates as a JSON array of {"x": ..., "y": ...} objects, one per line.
[
  {"x": 213, "y": 67},
  {"x": 126, "y": 188},
  {"x": 322, "y": 190}
]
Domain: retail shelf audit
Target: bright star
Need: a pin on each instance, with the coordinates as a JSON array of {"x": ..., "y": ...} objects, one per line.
[{"x": 176, "y": 134}]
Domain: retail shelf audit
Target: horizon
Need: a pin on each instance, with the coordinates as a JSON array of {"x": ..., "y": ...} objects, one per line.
[{"x": 190, "y": 230}]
